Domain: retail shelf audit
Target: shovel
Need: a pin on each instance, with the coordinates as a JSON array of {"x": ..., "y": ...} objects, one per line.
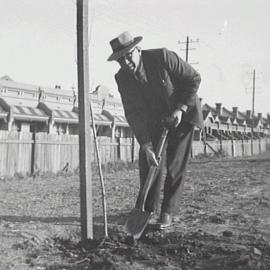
[{"x": 139, "y": 217}]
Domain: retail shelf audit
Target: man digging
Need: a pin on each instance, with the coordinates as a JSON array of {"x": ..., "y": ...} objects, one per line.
[{"x": 154, "y": 85}]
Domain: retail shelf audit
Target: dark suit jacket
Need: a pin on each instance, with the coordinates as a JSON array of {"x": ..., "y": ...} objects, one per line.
[{"x": 171, "y": 84}]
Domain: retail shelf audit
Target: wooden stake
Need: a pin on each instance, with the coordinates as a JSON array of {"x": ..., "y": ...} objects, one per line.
[
  {"x": 103, "y": 192},
  {"x": 84, "y": 121}
]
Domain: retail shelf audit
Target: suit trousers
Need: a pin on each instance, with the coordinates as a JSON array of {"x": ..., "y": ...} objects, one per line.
[{"x": 171, "y": 170}]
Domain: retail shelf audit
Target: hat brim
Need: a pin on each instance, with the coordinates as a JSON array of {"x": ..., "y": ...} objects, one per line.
[{"x": 115, "y": 56}]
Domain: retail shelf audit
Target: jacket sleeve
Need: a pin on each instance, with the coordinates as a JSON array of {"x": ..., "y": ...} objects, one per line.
[
  {"x": 135, "y": 111},
  {"x": 186, "y": 77}
]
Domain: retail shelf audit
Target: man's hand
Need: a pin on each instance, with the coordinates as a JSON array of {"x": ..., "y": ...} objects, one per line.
[
  {"x": 150, "y": 154},
  {"x": 177, "y": 116}
]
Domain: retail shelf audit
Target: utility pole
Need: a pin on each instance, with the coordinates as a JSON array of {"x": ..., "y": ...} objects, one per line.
[
  {"x": 252, "y": 112},
  {"x": 84, "y": 121},
  {"x": 254, "y": 92},
  {"x": 187, "y": 49}
]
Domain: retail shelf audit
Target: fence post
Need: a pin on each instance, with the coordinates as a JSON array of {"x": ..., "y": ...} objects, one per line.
[
  {"x": 251, "y": 147},
  {"x": 233, "y": 148},
  {"x": 204, "y": 141},
  {"x": 243, "y": 146},
  {"x": 118, "y": 141},
  {"x": 220, "y": 140},
  {"x": 33, "y": 153},
  {"x": 260, "y": 144},
  {"x": 133, "y": 149}
]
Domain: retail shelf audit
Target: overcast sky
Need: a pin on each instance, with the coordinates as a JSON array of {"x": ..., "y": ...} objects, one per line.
[{"x": 38, "y": 42}]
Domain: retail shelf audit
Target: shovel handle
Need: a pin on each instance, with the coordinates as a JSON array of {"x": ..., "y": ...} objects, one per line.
[
  {"x": 152, "y": 171},
  {"x": 161, "y": 143}
]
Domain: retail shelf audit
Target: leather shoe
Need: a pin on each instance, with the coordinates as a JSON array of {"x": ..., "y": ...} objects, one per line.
[
  {"x": 153, "y": 218},
  {"x": 165, "y": 221}
]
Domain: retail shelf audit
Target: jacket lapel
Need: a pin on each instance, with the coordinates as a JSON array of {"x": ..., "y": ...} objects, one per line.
[{"x": 156, "y": 79}]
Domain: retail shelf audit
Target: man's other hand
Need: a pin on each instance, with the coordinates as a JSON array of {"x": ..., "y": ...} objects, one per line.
[{"x": 177, "y": 116}]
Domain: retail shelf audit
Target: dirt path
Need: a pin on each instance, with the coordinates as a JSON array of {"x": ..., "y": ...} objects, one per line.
[{"x": 223, "y": 221}]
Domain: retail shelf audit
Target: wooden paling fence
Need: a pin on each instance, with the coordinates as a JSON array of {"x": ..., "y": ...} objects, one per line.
[
  {"x": 15, "y": 152},
  {"x": 28, "y": 153},
  {"x": 233, "y": 148},
  {"x": 54, "y": 152}
]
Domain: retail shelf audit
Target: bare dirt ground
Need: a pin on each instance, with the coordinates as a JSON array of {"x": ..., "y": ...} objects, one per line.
[{"x": 223, "y": 221}]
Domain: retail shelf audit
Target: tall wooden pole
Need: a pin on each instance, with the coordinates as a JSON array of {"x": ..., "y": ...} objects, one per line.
[
  {"x": 84, "y": 121},
  {"x": 187, "y": 48},
  {"x": 252, "y": 112}
]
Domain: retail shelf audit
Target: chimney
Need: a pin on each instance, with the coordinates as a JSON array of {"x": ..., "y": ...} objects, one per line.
[
  {"x": 219, "y": 109},
  {"x": 248, "y": 114},
  {"x": 235, "y": 111},
  {"x": 260, "y": 116}
]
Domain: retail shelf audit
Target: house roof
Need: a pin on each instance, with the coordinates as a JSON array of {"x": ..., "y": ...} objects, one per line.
[
  {"x": 99, "y": 118},
  {"x": 228, "y": 116},
  {"x": 61, "y": 116},
  {"x": 2, "y": 110},
  {"x": 207, "y": 107},
  {"x": 64, "y": 116},
  {"x": 3, "y": 113},
  {"x": 225, "y": 119},
  {"x": 120, "y": 120},
  {"x": 241, "y": 116},
  {"x": 22, "y": 112},
  {"x": 6, "y": 77},
  {"x": 28, "y": 113},
  {"x": 102, "y": 120},
  {"x": 227, "y": 113},
  {"x": 17, "y": 85},
  {"x": 206, "y": 114},
  {"x": 242, "y": 122}
]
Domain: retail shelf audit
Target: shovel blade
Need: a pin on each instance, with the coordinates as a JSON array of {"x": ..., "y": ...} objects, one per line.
[{"x": 137, "y": 222}]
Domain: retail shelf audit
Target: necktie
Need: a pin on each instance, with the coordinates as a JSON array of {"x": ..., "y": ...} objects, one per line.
[{"x": 140, "y": 76}]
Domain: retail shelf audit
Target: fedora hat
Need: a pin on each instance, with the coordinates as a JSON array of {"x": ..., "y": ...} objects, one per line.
[{"x": 122, "y": 44}]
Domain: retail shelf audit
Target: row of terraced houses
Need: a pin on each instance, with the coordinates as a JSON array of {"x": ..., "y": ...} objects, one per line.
[
  {"x": 39, "y": 129},
  {"x": 31, "y": 108}
]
